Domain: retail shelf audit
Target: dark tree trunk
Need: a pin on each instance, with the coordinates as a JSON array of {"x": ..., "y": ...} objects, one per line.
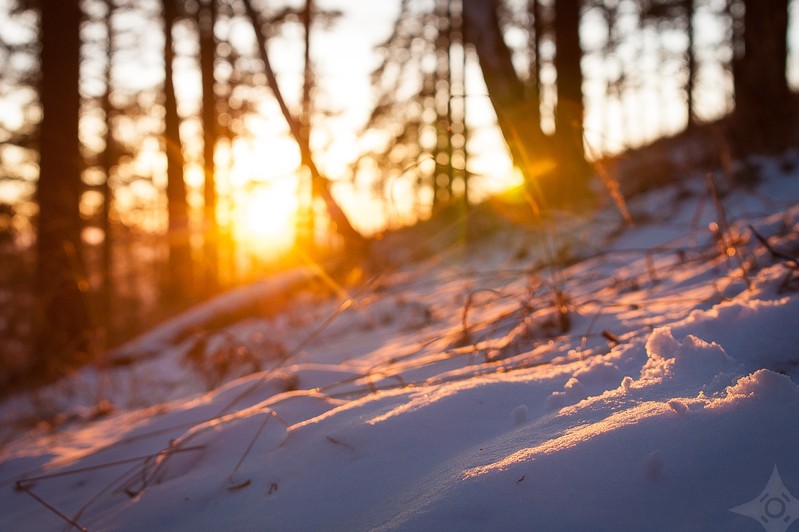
[
  {"x": 572, "y": 178},
  {"x": 735, "y": 10},
  {"x": 60, "y": 278},
  {"x": 179, "y": 281},
  {"x": 206, "y": 19},
  {"x": 306, "y": 221},
  {"x": 508, "y": 94},
  {"x": 762, "y": 99},
  {"x": 555, "y": 169},
  {"x": 107, "y": 162},
  {"x": 690, "y": 60},
  {"x": 536, "y": 27}
]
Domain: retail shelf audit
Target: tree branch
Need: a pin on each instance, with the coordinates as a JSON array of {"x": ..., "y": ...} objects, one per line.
[{"x": 353, "y": 239}]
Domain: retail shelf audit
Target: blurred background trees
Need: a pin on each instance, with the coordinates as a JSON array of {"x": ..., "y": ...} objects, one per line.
[{"x": 134, "y": 134}]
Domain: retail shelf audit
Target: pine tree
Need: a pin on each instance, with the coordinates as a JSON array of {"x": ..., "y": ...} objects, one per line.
[
  {"x": 179, "y": 280},
  {"x": 60, "y": 275}
]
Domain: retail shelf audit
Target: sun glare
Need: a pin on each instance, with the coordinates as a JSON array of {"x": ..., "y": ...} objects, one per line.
[
  {"x": 263, "y": 193},
  {"x": 268, "y": 215}
]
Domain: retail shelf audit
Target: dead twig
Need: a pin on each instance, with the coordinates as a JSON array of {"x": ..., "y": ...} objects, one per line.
[
  {"x": 791, "y": 262},
  {"x": 334, "y": 441},
  {"x": 20, "y": 486},
  {"x": 269, "y": 415},
  {"x": 26, "y": 484},
  {"x": 466, "y": 338},
  {"x": 729, "y": 247}
]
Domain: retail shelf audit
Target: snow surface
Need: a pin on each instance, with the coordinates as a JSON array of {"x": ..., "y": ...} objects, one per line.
[{"x": 644, "y": 380}]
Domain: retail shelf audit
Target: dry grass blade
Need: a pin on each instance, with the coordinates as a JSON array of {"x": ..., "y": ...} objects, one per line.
[
  {"x": 25, "y": 484},
  {"x": 729, "y": 247},
  {"x": 465, "y": 338},
  {"x": 22, "y": 487},
  {"x": 261, "y": 427}
]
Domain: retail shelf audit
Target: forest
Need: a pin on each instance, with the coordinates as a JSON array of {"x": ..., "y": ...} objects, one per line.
[
  {"x": 131, "y": 132},
  {"x": 415, "y": 264}
]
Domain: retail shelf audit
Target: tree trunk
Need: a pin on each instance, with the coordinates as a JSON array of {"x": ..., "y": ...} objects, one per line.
[
  {"x": 206, "y": 19},
  {"x": 306, "y": 229},
  {"x": 572, "y": 170},
  {"x": 107, "y": 161},
  {"x": 554, "y": 169},
  {"x": 526, "y": 142},
  {"x": 536, "y": 27},
  {"x": 464, "y": 109},
  {"x": 59, "y": 274},
  {"x": 179, "y": 281},
  {"x": 690, "y": 60},
  {"x": 762, "y": 99},
  {"x": 442, "y": 97}
]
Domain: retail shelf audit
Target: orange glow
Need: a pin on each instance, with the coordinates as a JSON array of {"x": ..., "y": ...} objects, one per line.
[
  {"x": 264, "y": 157},
  {"x": 260, "y": 189},
  {"x": 266, "y": 215}
]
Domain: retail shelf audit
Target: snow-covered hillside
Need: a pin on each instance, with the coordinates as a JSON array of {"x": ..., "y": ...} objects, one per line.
[{"x": 588, "y": 376}]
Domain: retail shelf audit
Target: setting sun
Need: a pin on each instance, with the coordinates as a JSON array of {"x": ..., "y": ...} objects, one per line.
[
  {"x": 268, "y": 214},
  {"x": 263, "y": 190}
]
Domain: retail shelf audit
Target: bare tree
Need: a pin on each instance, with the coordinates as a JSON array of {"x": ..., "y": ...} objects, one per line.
[
  {"x": 306, "y": 221},
  {"x": 354, "y": 241}
]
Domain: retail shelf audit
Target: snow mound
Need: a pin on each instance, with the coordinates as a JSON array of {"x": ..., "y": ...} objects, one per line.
[{"x": 687, "y": 361}]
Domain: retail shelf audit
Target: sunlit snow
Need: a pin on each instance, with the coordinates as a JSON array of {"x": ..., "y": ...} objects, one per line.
[{"x": 582, "y": 375}]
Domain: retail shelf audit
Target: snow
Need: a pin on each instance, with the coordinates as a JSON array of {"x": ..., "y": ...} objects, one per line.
[{"x": 646, "y": 379}]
